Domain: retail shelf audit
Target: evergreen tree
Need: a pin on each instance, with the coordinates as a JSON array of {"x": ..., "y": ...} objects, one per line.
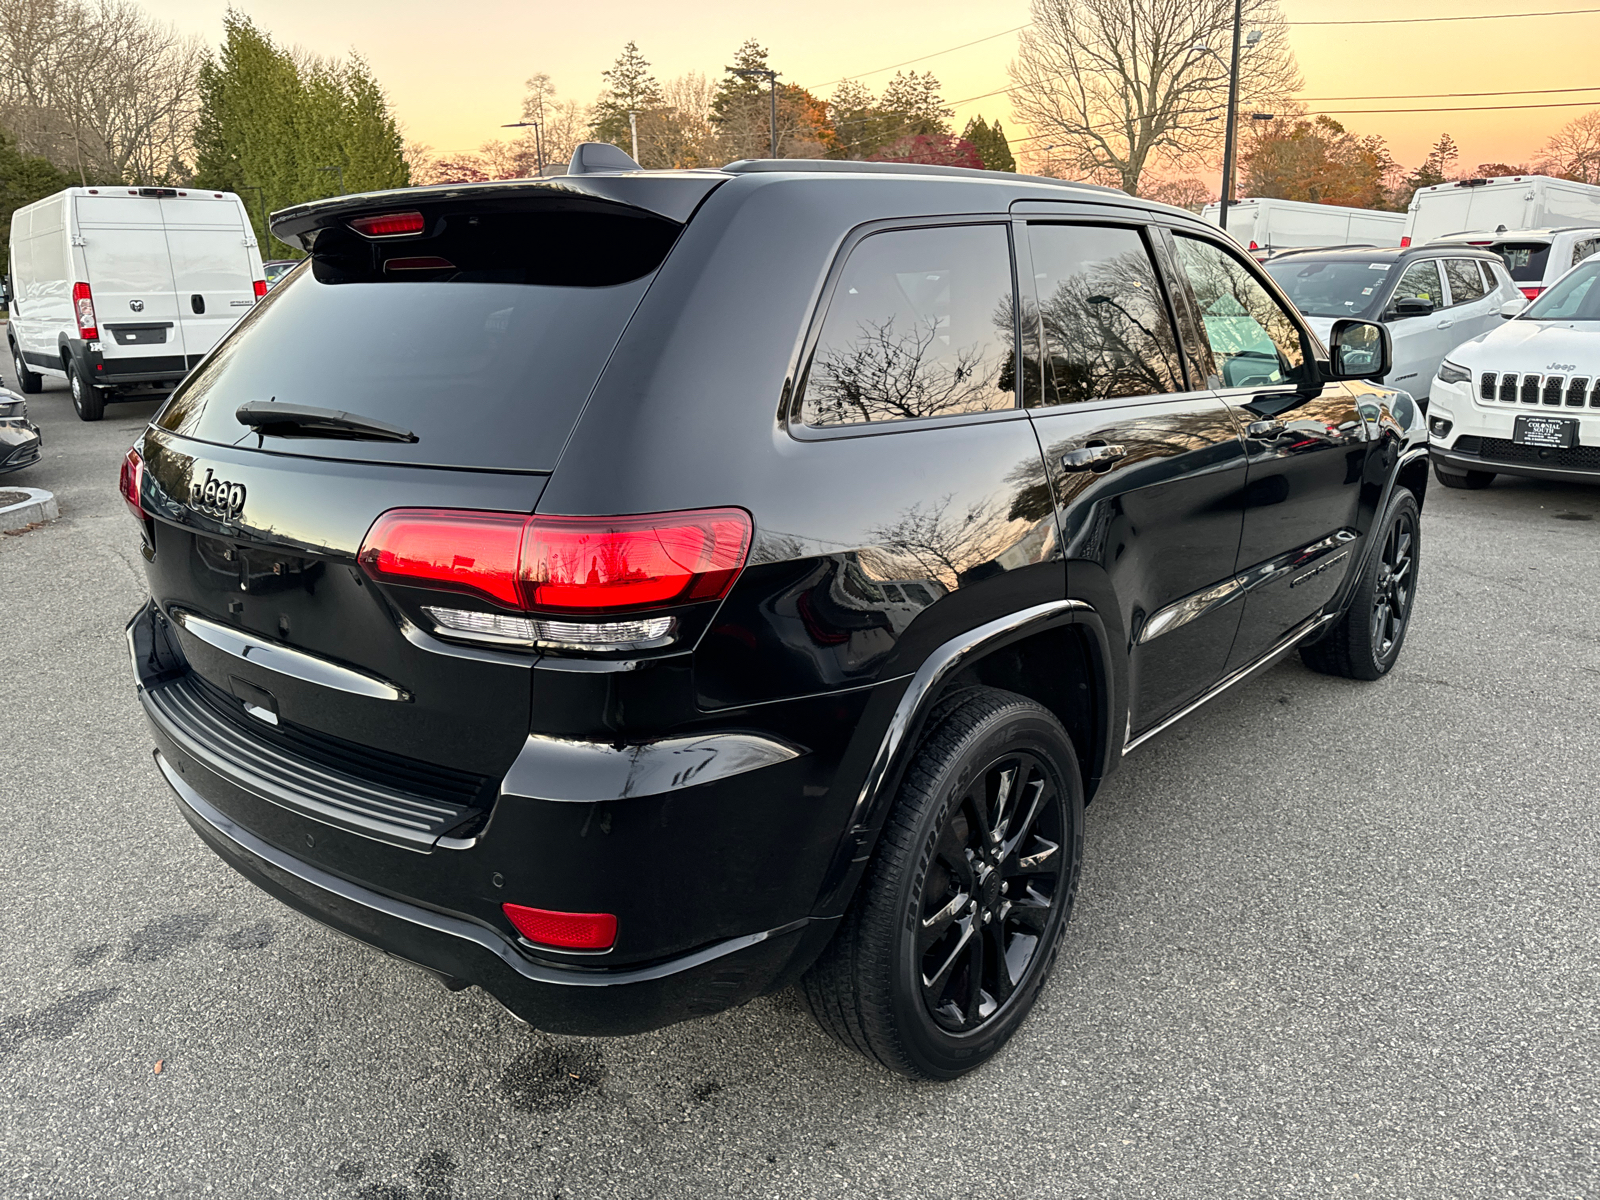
[
  {"x": 629, "y": 88},
  {"x": 914, "y": 103},
  {"x": 297, "y": 130},
  {"x": 736, "y": 95},
  {"x": 990, "y": 143}
]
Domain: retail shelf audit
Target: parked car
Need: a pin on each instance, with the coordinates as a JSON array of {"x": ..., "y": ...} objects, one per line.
[
  {"x": 1431, "y": 299},
  {"x": 728, "y": 625},
  {"x": 121, "y": 291},
  {"x": 1524, "y": 399},
  {"x": 1535, "y": 258},
  {"x": 20, "y": 440},
  {"x": 1504, "y": 202},
  {"x": 1267, "y": 226},
  {"x": 276, "y": 268}
]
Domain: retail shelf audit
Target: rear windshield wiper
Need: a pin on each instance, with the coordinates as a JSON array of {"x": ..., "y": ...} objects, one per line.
[{"x": 302, "y": 420}]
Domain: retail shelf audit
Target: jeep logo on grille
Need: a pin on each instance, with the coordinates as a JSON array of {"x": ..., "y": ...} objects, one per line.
[{"x": 217, "y": 497}]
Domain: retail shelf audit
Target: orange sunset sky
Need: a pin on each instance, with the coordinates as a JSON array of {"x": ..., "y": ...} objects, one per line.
[{"x": 455, "y": 72}]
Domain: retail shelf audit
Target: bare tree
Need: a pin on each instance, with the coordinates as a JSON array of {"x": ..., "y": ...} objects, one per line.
[
  {"x": 1116, "y": 84},
  {"x": 679, "y": 132},
  {"x": 1574, "y": 151}
]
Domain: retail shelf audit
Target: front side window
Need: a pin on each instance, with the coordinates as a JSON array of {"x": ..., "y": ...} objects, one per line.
[
  {"x": 1255, "y": 342},
  {"x": 921, "y": 324},
  {"x": 1465, "y": 283},
  {"x": 1106, "y": 329},
  {"x": 1420, "y": 281}
]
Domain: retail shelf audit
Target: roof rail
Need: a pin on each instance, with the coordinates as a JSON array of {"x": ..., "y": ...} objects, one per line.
[{"x": 836, "y": 166}]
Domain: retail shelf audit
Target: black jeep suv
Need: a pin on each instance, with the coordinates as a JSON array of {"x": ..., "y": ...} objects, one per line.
[{"x": 633, "y": 592}]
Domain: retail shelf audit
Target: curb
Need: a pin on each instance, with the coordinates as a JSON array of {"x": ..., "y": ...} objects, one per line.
[{"x": 39, "y": 507}]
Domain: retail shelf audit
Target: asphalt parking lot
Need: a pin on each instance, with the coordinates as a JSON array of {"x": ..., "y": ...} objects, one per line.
[{"x": 1333, "y": 939}]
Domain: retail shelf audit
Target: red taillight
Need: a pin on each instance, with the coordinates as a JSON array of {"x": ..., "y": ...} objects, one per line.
[
  {"x": 1253, "y": 245},
  {"x": 83, "y": 305},
  {"x": 1532, "y": 293},
  {"x": 389, "y": 224},
  {"x": 569, "y": 931},
  {"x": 1405, "y": 241},
  {"x": 131, "y": 483},
  {"x": 592, "y": 565},
  {"x": 261, "y": 288},
  {"x": 425, "y": 263}
]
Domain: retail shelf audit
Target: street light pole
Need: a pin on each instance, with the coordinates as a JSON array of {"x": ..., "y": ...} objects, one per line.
[
  {"x": 1233, "y": 114},
  {"x": 538, "y": 143},
  {"x": 772, "y": 82}
]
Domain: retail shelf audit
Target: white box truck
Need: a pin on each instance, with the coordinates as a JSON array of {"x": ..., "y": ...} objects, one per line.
[
  {"x": 1265, "y": 226},
  {"x": 1503, "y": 204},
  {"x": 121, "y": 291}
]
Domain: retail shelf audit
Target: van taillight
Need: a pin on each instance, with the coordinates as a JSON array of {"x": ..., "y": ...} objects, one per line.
[
  {"x": 83, "y": 305},
  {"x": 590, "y": 566},
  {"x": 1405, "y": 241},
  {"x": 261, "y": 288},
  {"x": 131, "y": 483}
]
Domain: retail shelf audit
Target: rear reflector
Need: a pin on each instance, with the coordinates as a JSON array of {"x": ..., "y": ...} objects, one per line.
[
  {"x": 389, "y": 224},
  {"x": 587, "y": 565},
  {"x": 1532, "y": 293},
  {"x": 83, "y": 306},
  {"x": 260, "y": 286},
  {"x": 131, "y": 484},
  {"x": 646, "y": 633},
  {"x": 1252, "y": 245},
  {"x": 569, "y": 931}
]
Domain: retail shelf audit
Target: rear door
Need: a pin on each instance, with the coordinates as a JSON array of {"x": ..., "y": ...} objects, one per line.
[
  {"x": 130, "y": 277},
  {"x": 1147, "y": 468},
  {"x": 211, "y": 268},
  {"x": 1306, "y": 444},
  {"x": 1471, "y": 306}
]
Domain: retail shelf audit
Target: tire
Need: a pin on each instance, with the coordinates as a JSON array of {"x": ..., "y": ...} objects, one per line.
[
  {"x": 943, "y": 895},
  {"x": 87, "y": 400},
  {"x": 1471, "y": 480},
  {"x": 29, "y": 382},
  {"x": 1366, "y": 640}
]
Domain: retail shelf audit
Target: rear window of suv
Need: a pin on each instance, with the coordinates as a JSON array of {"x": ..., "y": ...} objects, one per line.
[
  {"x": 484, "y": 339},
  {"x": 1525, "y": 260}
]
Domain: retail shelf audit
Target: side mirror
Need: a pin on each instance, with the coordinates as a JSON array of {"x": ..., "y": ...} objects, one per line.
[
  {"x": 1358, "y": 350},
  {"x": 1413, "y": 306},
  {"x": 1513, "y": 308}
]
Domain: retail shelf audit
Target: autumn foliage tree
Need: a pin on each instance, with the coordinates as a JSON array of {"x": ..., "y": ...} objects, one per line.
[{"x": 1315, "y": 160}]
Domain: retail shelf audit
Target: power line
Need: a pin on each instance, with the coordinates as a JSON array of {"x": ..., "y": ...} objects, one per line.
[
  {"x": 1448, "y": 95},
  {"x": 1329, "y": 112},
  {"x": 923, "y": 57},
  {"x": 1564, "y": 12}
]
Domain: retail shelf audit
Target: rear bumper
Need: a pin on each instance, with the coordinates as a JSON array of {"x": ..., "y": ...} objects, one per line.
[{"x": 567, "y": 1001}]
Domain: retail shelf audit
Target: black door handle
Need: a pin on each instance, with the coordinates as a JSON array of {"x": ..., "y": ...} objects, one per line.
[{"x": 1092, "y": 456}]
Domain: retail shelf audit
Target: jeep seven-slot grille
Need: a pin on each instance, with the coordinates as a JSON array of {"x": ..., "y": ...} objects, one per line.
[
  {"x": 1511, "y": 388},
  {"x": 381, "y": 795}
]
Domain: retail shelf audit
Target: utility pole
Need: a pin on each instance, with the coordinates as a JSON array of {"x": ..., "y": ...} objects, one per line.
[
  {"x": 1233, "y": 117},
  {"x": 772, "y": 82},
  {"x": 538, "y": 143},
  {"x": 633, "y": 128}
]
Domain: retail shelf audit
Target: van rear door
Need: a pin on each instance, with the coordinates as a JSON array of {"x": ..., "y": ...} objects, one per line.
[
  {"x": 129, "y": 273},
  {"x": 211, "y": 267}
]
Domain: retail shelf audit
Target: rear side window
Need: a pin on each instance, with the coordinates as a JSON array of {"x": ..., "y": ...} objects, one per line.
[
  {"x": 1584, "y": 249},
  {"x": 1525, "y": 260},
  {"x": 1255, "y": 342},
  {"x": 921, "y": 324},
  {"x": 484, "y": 340},
  {"x": 1106, "y": 329},
  {"x": 1465, "y": 283}
]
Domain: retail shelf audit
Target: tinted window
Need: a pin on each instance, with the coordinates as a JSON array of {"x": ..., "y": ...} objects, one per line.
[
  {"x": 1491, "y": 282},
  {"x": 478, "y": 342},
  {"x": 1106, "y": 329},
  {"x": 1420, "y": 281},
  {"x": 1583, "y": 249},
  {"x": 1324, "y": 288},
  {"x": 1465, "y": 283},
  {"x": 1574, "y": 298},
  {"x": 1525, "y": 261},
  {"x": 921, "y": 324},
  {"x": 1255, "y": 342}
]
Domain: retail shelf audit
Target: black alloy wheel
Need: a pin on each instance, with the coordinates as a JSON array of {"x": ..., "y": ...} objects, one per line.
[
  {"x": 953, "y": 931},
  {"x": 1396, "y": 584},
  {"x": 1365, "y": 642},
  {"x": 988, "y": 895}
]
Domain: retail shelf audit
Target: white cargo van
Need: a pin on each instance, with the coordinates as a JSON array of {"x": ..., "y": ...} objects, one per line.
[
  {"x": 121, "y": 291},
  {"x": 1265, "y": 226},
  {"x": 1508, "y": 202}
]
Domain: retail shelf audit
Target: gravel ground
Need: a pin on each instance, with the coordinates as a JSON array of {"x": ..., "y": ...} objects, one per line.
[{"x": 1333, "y": 939}]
